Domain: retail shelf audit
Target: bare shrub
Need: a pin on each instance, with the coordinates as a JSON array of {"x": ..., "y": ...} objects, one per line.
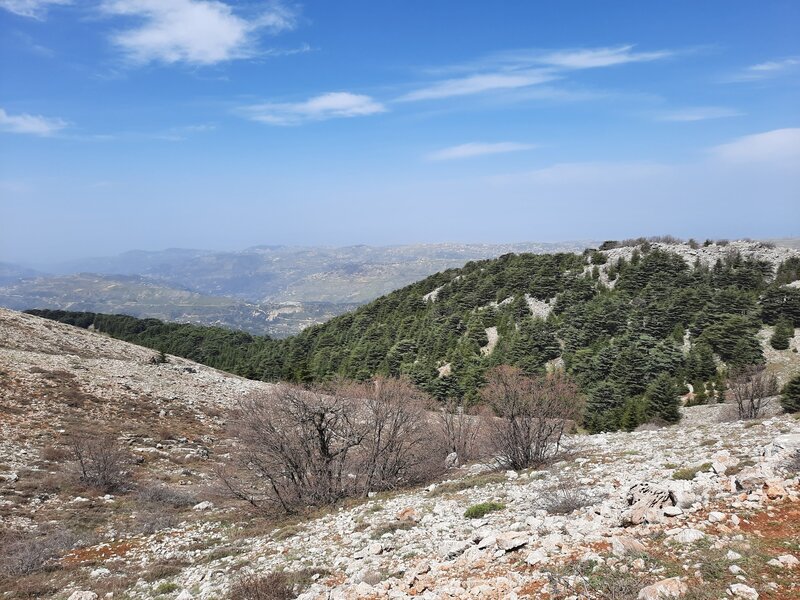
[
  {"x": 294, "y": 446},
  {"x": 750, "y": 387},
  {"x": 272, "y": 586},
  {"x": 459, "y": 431},
  {"x": 102, "y": 462},
  {"x": 583, "y": 580},
  {"x": 165, "y": 496},
  {"x": 532, "y": 415},
  {"x": 399, "y": 446},
  {"x": 312, "y": 447},
  {"x": 25, "y": 554},
  {"x": 566, "y": 497}
]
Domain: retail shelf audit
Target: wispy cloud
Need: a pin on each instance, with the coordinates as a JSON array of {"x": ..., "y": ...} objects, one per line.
[
  {"x": 518, "y": 69},
  {"x": 479, "y": 83},
  {"x": 779, "y": 147},
  {"x": 473, "y": 149},
  {"x": 30, "y": 124},
  {"x": 34, "y": 9},
  {"x": 766, "y": 70},
  {"x": 325, "y": 106},
  {"x": 593, "y": 58},
  {"x": 198, "y": 32},
  {"x": 698, "y": 113}
]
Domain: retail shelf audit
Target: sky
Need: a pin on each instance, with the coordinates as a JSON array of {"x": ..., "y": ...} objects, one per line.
[{"x": 148, "y": 124}]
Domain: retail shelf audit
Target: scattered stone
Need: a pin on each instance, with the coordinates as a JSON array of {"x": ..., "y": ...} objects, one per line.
[
  {"x": 83, "y": 595},
  {"x": 666, "y": 588}
]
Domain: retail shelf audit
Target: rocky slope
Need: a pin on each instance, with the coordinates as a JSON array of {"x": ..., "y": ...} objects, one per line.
[{"x": 709, "y": 508}]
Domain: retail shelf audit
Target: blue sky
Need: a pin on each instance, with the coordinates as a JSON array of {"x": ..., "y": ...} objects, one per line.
[{"x": 219, "y": 124}]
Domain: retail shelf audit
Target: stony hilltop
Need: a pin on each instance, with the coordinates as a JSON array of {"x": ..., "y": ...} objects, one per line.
[{"x": 708, "y": 508}]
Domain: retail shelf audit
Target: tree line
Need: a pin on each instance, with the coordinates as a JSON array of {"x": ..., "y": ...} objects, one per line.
[{"x": 630, "y": 334}]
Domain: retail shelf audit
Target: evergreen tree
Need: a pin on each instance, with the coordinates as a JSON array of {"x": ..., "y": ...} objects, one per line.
[
  {"x": 790, "y": 397},
  {"x": 662, "y": 400},
  {"x": 784, "y": 331}
]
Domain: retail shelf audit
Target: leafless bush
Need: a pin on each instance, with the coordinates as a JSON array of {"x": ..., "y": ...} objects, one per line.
[
  {"x": 149, "y": 522},
  {"x": 165, "y": 496},
  {"x": 750, "y": 388},
  {"x": 312, "y": 447},
  {"x": 279, "y": 585},
  {"x": 274, "y": 586},
  {"x": 25, "y": 554},
  {"x": 581, "y": 581},
  {"x": 532, "y": 414},
  {"x": 102, "y": 461},
  {"x": 460, "y": 431},
  {"x": 566, "y": 497},
  {"x": 399, "y": 446}
]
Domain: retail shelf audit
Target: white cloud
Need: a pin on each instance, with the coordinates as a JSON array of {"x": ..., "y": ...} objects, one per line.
[
  {"x": 479, "y": 83},
  {"x": 318, "y": 108},
  {"x": 600, "y": 57},
  {"x": 765, "y": 70},
  {"x": 35, "y": 9},
  {"x": 525, "y": 68},
  {"x": 478, "y": 149},
  {"x": 699, "y": 113},
  {"x": 779, "y": 147},
  {"x": 32, "y": 124},
  {"x": 201, "y": 32}
]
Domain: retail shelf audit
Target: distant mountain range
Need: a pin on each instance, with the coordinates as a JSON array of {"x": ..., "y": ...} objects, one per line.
[{"x": 274, "y": 290}]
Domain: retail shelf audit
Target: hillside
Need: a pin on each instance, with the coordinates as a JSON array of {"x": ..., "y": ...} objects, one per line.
[
  {"x": 272, "y": 290},
  {"x": 615, "y": 318},
  {"x": 142, "y": 297},
  {"x": 616, "y": 513}
]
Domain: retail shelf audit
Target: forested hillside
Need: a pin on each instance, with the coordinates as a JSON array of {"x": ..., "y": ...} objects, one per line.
[{"x": 617, "y": 318}]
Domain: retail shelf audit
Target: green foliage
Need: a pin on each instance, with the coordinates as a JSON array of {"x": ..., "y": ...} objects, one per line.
[
  {"x": 689, "y": 473},
  {"x": 784, "y": 331},
  {"x": 790, "y": 396},
  {"x": 663, "y": 400},
  {"x": 477, "y": 511},
  {"x": 614, "y": 342}
]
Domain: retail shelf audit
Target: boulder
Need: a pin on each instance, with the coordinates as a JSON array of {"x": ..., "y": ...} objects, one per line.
[
  {"x": 751, "y": 478},
  {"x": 205, "y": 505},
  {"x": 623, "y": 544},
  {"x": 536, "y": 557},
  {"x": 789, "y": 561},
  {"x": 185, "y": 595},
  {"x": 666, "y": 588},
  {"x": 689, "y": 536},
  {"x": 451, "y": 461},
  {"x": 740, "y": 590},
  {"x": 774, "y": 489},
  {"x": 511, "y": 540},
  {"x": 408, "y": 515}
]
